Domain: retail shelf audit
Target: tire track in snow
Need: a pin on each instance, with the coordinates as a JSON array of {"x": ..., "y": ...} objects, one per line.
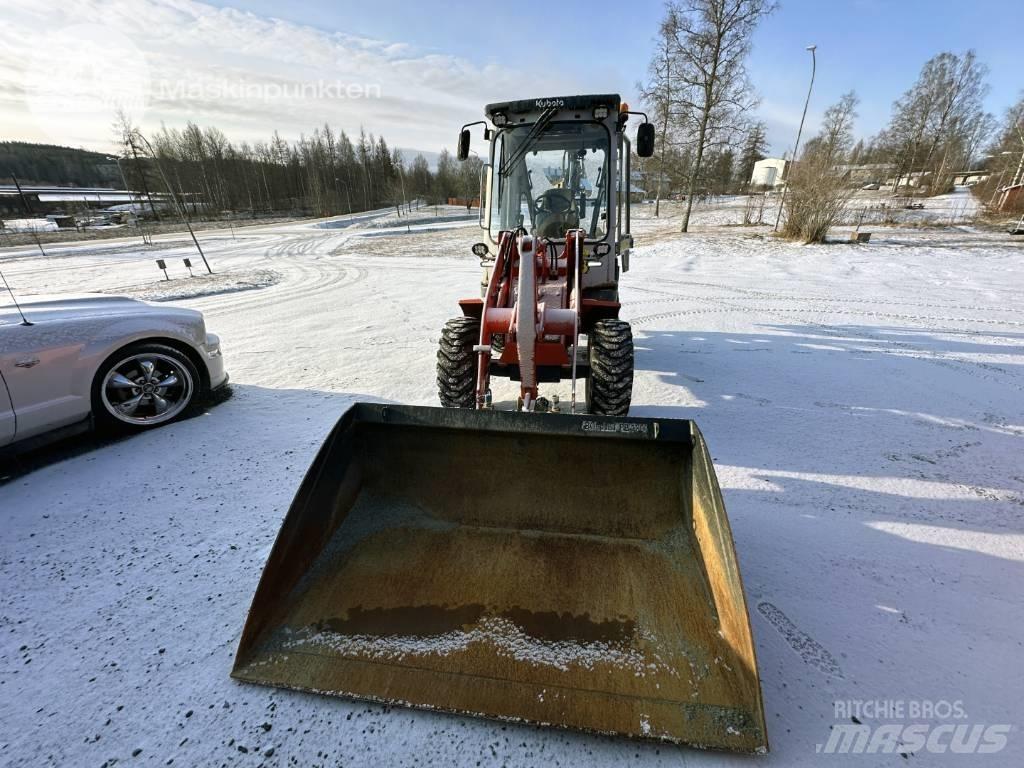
[
  {"x": 827, "y": 311},
  {"x": 305, "y": 278},
  {"x": 807, "y": 648},
  {"x": 754, "y": 293},
  {"x": 973, "y": 368}
]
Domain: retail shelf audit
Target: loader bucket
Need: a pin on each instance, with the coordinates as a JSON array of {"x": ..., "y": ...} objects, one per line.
[{"x": 548, "y": 568}]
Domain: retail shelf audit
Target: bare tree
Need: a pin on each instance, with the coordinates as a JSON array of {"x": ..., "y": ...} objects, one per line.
[
  {"x": 836, "y": 135},
  {"x": 1005, "y": 159},
  {"x": 932, "y": 123},
  {"x": 711, "y": 40},
  {"x": 661, "y": 95},
  {"x": 127, "y": 132},
  {"x": 818, "y": 191}
]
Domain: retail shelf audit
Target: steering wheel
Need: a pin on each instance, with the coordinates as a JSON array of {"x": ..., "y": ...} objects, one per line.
[{"x": 552, "y": 201}]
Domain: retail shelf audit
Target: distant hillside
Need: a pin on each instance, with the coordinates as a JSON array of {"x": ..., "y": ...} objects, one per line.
[{"x": 60, "y": 166}]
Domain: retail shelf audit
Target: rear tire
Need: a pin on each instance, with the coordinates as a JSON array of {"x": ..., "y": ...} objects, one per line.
[
  {"x": 457, "y": 363},
  {"x": 610, "y": 383}
]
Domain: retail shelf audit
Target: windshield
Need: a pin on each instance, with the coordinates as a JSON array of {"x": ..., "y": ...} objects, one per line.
[{"x": 551, "y": 180}]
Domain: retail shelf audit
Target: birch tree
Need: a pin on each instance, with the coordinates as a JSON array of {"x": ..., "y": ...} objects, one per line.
[
  {"x": 661, "y": 95},
  {"x": 933, "y": 121},
  {"x": 836, "y": 135},
  {"x": 711, "y": 40}
]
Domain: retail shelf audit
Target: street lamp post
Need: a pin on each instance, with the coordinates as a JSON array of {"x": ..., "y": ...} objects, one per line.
[{"x": 800, "y": 130}]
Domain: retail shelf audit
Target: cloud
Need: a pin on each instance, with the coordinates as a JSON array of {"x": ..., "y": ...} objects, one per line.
[{"x": 247, "y": 74}]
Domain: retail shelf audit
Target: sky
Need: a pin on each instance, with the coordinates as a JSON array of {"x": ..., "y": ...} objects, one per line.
[{"x": 416, "y": 71}]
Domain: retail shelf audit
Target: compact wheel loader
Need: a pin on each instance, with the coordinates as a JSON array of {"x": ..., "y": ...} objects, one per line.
[{"x": 558, "y": 564}]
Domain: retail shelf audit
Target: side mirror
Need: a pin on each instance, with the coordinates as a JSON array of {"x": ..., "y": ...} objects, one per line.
[
  {"x": 645, "y": 140},
  {"x": 463, "y": 151}
]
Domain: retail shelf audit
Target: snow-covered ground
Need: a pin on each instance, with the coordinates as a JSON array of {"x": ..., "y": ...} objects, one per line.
[
  {"x": 868, "y": 208},
  {"x": 28, "y": 225},
  {"x": 864, "y": 406}
]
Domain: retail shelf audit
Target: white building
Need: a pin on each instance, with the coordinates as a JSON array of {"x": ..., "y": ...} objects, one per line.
[{"x": 768, "y": 172}]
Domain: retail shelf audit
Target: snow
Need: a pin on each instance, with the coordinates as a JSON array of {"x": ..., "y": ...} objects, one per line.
[
  {"x": 863, "y": 405},
  {"x": 496, "y": 632},
  {"x": 196, "y": 285},
  {"x": 28, "y": 225}
]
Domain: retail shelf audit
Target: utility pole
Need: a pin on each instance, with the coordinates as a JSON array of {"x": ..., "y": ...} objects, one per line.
[
  {"x": 401, "y": 176},
  {"x": 146, "y": 240},
  {"x": 21, "y": 194},
  {"x": 142, "y": 174},
  {"x": 177, "y": 203},
  {"x": 28, "y": 212},
  {"x": 348, "y": 195},
  {"x": 800, "y": 130}
]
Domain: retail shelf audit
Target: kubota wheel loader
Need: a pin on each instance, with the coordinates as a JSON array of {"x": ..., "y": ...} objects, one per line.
[{"x": 558, "y": 568}]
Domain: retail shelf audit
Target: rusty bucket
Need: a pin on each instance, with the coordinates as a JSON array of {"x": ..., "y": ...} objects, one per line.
[{"x": 575, "y": 571}]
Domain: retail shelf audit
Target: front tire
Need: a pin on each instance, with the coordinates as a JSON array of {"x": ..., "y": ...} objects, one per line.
[
  {"x": 144, "y": 386},
  {"x": 457, "y": 363},
  {"x": 610, "y": 383}
]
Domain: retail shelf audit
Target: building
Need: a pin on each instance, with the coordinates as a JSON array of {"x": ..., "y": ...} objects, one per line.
[
  {"x": 769, "y": 172},
  {"x": 970, "y": 178},
  {"x": 1011, "y": 198},
  {"x": 46, "y": 200},
  {"x": 865, "y": 173}
]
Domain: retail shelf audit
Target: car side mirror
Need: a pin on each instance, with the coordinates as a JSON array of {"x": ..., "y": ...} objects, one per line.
[
  {"x": 645, "y": 140},
  {"x": 463, "y": 150}
]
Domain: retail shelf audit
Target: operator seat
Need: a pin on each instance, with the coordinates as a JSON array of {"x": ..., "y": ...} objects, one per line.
[{"x": 556, "y": 213}]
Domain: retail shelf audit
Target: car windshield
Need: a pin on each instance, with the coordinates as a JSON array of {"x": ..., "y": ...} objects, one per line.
[{"x": 551, "y": 180}]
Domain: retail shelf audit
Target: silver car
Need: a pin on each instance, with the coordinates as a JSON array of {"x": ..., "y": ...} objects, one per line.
[{"x": 71, "y": 362}]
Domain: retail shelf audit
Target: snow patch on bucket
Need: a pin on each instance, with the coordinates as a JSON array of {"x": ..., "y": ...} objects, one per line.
[{"x": 504, "y": 636}]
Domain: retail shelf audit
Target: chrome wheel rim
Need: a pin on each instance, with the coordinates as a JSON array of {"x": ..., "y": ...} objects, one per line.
[{"x": 147, "y": 388}]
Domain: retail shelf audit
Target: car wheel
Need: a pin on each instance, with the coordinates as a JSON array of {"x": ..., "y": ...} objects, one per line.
[{"x": 144, "y": 386}]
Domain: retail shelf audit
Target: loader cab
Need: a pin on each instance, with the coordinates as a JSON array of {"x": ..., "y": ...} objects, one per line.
[
  {"x": 559, "y": 164},
  {"x": 551, "y": 181}
]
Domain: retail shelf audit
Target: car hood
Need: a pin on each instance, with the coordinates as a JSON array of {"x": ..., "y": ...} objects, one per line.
[{"x": 65, "y": 306}]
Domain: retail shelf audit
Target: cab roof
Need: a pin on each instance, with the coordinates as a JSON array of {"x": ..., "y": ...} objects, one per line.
[{"x": 523, "y": 106}]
